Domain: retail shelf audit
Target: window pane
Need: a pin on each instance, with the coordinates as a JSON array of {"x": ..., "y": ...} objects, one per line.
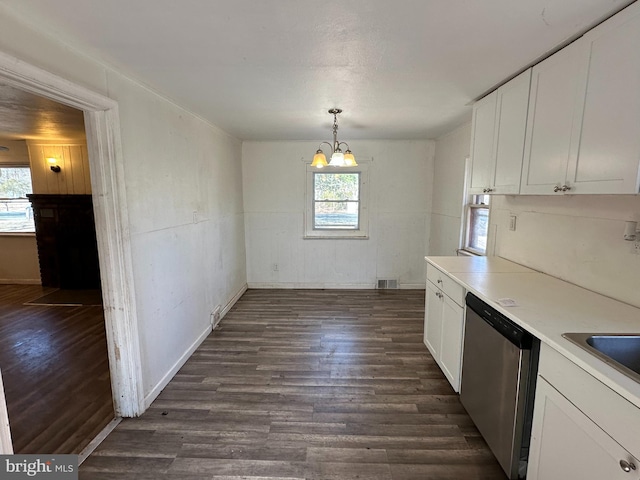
[
  {"x": 478, "y": 228},
  {"x": 336, "y": 186},
  {"x": 16, "y": 214},
  {"x": 336, "y": 200},
  {"x": 336, "y": 215}
]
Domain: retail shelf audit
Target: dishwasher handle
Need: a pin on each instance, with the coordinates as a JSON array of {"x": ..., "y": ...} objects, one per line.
[{"x": 503, "y": 325}]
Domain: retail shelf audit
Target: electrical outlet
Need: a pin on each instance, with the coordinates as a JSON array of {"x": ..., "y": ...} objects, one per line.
[
  {"x": 274, "y": 267},
  {"x": 512, "y": 222}
]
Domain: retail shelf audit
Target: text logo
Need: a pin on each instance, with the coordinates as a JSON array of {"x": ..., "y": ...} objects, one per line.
[{"x": 49, "y": 467}]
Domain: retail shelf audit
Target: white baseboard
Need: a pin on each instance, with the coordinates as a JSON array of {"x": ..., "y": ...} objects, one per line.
[
  {"x": 153, "y": 394},
  {"x": 316, "y": 286},
  {"x": 233, "y": 301},
  {"x": 332, "y": 286}
]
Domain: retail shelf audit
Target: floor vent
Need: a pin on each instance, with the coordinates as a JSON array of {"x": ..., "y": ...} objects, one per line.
[{"x": 387, "y": 283}]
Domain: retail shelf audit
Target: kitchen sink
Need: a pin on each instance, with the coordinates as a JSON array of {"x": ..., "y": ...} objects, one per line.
[{"x": 621, "y": 351}]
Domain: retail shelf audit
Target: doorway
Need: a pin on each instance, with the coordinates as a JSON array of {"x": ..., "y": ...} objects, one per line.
[
  {"x": 53, "y": 353},
  {"x": 109, "y": 201}
]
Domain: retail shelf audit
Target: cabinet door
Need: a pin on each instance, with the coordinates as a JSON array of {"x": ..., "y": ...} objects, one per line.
[
  {"x": 452, "y": 334},
  {"x": 482, "y": 144},
  {"x": 433, "y": 320},
  {"x": 553, "y": 121},
  {"x": 609, "y": 152},
  {"x": 513, "y": 103},
  {"x": 567, "y": 444}
]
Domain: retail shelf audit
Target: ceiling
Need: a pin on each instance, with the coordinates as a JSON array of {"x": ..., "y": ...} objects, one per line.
[
  {"x": 24, "y": 116},
  {"x": 270, "y": 69}
]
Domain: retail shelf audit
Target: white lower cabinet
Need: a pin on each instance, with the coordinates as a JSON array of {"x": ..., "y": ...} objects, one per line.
[
  {"x": 581, "y": 429},
  {"x": 444, "y": 323},
  {"x": 572, "y": 446}
]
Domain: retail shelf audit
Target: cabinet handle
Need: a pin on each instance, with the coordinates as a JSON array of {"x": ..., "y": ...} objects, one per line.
[
  {"x": 557, "y": 188},
  {"x": 487, "y": 190},
  {"x": 626, "y": 466},
  {"x": 565, "y": 188},
  {"x": 440, "y": 280}
]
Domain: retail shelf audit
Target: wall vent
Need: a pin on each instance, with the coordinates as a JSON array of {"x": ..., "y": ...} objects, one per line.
[{"x": 387, "y": 283}]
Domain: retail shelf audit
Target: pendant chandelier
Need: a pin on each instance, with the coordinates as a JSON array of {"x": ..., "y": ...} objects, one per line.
[{"x": 338, "y": 158}]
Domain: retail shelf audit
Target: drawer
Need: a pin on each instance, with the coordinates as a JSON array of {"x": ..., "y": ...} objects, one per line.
[
  {"x": 449, "y": 287},
  {"x": 611, "y": 412}
]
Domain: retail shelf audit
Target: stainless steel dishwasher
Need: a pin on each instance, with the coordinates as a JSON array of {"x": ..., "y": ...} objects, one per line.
[{"x": 499, "y": 369}]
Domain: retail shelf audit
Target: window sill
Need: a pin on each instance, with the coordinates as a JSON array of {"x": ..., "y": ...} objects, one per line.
[
  {"x": 462, "y": 252},
  {"x": 334, "y": 237}
]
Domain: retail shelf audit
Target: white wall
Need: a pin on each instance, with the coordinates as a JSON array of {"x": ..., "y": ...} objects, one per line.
[
  {"x": 448, "y": 190},
  {"x": 576, "y": 237},
  {"x": 184, "y": 264},
  {"x": 399, "y": 204}
]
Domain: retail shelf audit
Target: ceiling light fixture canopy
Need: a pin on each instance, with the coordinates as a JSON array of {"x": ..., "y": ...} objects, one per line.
[{"x": 338, "y": 158}]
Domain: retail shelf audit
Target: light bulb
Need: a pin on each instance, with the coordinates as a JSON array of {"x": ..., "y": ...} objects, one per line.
[{"x": 337, "y": 159}]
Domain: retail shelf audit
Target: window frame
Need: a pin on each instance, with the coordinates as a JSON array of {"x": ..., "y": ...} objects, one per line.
[
  {"x": 18, "y": 233},
  {"x": 469, "y": 203},
  {"x": 362, "y": 232},
  {"x": 474, "y": 204}
]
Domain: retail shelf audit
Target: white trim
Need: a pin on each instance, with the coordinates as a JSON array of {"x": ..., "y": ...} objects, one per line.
[
  {"x": 233, "y": 301},
  {"x": 6, "y": 445},
  {"x": 112, "y": 228},
  {"x": 465, "y": 200},
  {"x": 333, "y": 286},
  {"x": 187, "y": 354},
  {"x": 164, "y": 381}
]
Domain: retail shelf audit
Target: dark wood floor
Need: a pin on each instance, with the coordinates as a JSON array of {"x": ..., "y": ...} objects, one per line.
[
  {"x": 306, "y": 384},
  {"x": 55, "y": 371}
]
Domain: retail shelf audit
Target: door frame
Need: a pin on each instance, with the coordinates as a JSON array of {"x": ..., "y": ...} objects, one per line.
[{"x": 106, "y": 165}]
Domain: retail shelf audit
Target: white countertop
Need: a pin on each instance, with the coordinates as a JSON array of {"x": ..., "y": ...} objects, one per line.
[{"x": 548, "y": 307}]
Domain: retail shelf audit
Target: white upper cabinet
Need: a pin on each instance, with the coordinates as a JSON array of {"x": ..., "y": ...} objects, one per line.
[
  {"x": 499, "y": 125},
  {"x": 584, "y": 114},
  {"x": 513, "y": 104},
  {"x": 609, "y": 149},
  {"x": 552, "y": 126},
  {"x": 482, "y": 140}
]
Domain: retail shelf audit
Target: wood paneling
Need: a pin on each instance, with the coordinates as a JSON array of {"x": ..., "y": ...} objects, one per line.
[
  {"x": 56, "y": 372},
  {"x": 73, "y": 178},
  {"x": 304, "y": 384}
]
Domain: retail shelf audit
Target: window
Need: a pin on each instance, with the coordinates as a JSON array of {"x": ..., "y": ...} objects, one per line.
[
  {"x": 16, "y": 215},
  {"x": 335, "y": 203},
  {"x": 477, "y": 224}
]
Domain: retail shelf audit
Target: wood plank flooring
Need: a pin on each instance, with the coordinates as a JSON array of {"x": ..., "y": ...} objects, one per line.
[
  {"x": 55, "y": 371},
  {"x": 304, "y": 384}
]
